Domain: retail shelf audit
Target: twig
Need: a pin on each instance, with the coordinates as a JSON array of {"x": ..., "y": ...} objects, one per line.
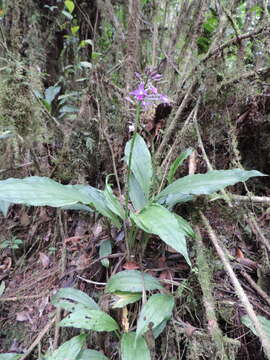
[
  {"x": 38, "y": 339},
  {"x": 26, "y": 297},
  {"x": 91, "y": 281},
  {"x": 238, "y": 288},
  {"x": 259, "y": 199},
  {"x": 259, "y": 290},
  {"x": 234, "y": 41}
]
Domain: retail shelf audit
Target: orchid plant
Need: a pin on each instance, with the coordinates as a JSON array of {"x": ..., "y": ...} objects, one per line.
[
  {"x": 144, "y": 211},
  {"x": 146, "y": 93}
]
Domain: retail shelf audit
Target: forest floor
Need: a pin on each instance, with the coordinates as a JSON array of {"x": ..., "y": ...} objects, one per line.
[{"x": 62, "y": 250}]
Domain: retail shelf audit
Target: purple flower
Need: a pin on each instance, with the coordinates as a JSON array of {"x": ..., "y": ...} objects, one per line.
[
  {"x": 140, "y": 93},
  {"x": 146, "y": 93}
]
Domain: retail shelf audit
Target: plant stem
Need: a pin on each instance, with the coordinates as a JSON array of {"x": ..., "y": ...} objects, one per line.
[{"x": 137, "y": 121}]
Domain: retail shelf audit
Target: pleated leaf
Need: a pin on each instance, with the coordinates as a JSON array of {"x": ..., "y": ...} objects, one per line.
[
  {"x": 10, "y": 356},
  {"x": 133, "y": 347},
  {"x": 121, "y": 299},
  {"x": 177, "y": 163},
  {"x": 90, "y": 320},
  {"x": 132, "y": 281},
  {"x": 73, "y": 297},
  {"x": 91, "y": 355},
  {"x": 69, "y": 350},
  {"x": 39, "y": 191},
  {"x": 265, "y": 324},
  {"x": 141, "y": 163},
  {"x": 4, "y": 206},
  {"x": 42, "y": 191},
  {"x": 203, "y": 184},
  {"x": 136, "y": 194},
  {"x": 158, "y": 308},
  {"x": 156, "y": 219}
]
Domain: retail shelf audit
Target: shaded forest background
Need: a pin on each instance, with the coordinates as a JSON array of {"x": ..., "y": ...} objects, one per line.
[{"x": 64, "y": 81}]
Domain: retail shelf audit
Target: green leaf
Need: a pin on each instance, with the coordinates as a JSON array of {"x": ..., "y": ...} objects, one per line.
[
  {"x": 40, "y": 191},
  {"x": 67, "y": 15},
  {"x": 70, "y": 5},
  {"x": 74, "y": 29},
  {"x": 173, "y": 199},
  {"x": 10, "y": 356},
  {"x": 68, "y": 109},
  {"x": 90, "y": 320},
  {"x": 69, "y": 350},
  {"x": 85, "y": 64},
  {"x": 203, "y": 184},
  {"x": 37, "y": 94},
  {"x": 158, "y": 329},
  {"x": 133, "y": 347},
  {"x": 121, "y": 299},
  {"x": 91, "y": 355},
  {"x": 177, "y": 163},
  {"x": 112, "y": 201},
  {"x": 6, "y": 134},
  {"x": 136, "y": 194},
  {"x": 74, "y": 296},
  {"x": 2, "y": 288},
  {"x": 78, "y": 207},
  {"x": 4, "y": 206},
  {"x": 141, "y": 164},
  {"x": 158, "y": 308},
  {"x": 132, "y": 281},
  {"x": 51, "y": 93},
  {"x": 46, "y": 105},
  {"x": 156, "y": 219},
  {"x": 265, "y": 324},
  {"x": 98, "y": 200},
  {"x": 104, "y": 250},
  {"x": 185, "y": 226},
  {"x": 83, "y": 43}
]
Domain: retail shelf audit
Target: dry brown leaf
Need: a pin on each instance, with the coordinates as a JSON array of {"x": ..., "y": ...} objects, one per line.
[
  {"x": 23, "y": 316},
  {"x": 239, "y": 253},
  {"x": 189, "y": 330},
  {"x": 24, "y": 219},
  {"x": 130, "y": 265},
  {"x": 97, "y": 229},
  {"x": 44, "y": 259},
  {"x": 6, "y": 265}
]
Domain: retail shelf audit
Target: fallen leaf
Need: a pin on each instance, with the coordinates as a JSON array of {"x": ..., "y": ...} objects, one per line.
[
  {"x": 6, "y": 265},
  {"x": 239, "y": 253},
  {"x": 44, "y": 259},
  {"x": 24, "y": 219},
  {"x": 23, "y": 316},
  {"x": 97, "y": 229},
  {"x": 189, "y": 330},
  {"x": 130, "y": 265}
]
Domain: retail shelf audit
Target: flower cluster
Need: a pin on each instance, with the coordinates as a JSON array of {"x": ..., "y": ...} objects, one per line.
[{"x": 146, "y": 93}]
